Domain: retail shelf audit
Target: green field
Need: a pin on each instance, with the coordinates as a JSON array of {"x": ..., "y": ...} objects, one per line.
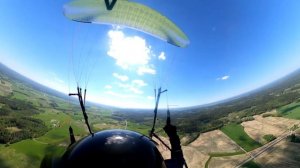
[
  {"x": 50, "y": 115},
  {"x": 236, "y": 132},
  {"x": 9, "y": 158},
  {"x": 36, "y": 150},
  {"x": 58, "y": 118},
  {"x": 291, "y": 111},
  {"x": 138, "y": 128},
  {"x": 60, "y": 122},
  {"x": 58, "y": 114},
  {"x": 30, "y": 152},
  {"x": 26, "y": 154}
]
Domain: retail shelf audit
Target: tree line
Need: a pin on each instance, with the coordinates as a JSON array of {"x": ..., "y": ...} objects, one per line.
[{"x": 16, "y": 123}]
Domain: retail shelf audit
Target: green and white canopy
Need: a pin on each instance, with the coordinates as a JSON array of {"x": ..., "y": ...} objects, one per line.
[{"x": 128, "y": 14}]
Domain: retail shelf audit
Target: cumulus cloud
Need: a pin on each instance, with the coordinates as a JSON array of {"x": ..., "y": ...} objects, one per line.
[
  {"x": 123, "y": 85},
  {"x": 162, "y": 56},
  {"x": 150, "y": 97},
  {"x": 120, "y": 95},
  {"x": 122, "y": 78},
  {"x": 226, "y": 77},
  {"x": 146, "y": 70},
  {"x": 133, "y": 87},
  {"x": 136, "y": 90},
  {"x": 128, "y": 51},
  {"x": 132, "y": 53},
  {"x": 139, "y": 82}
]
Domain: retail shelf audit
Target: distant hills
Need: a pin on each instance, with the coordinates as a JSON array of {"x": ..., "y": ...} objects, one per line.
[
  {"x": 39, "y": 87},
  {"x": 272, "y": 96},
  {"x": 16, "y": 76},
  {"x": 206, "y": 117}
]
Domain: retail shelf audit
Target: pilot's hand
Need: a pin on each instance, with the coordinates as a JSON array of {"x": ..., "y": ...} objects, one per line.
[{"x": 170, "y": 130}]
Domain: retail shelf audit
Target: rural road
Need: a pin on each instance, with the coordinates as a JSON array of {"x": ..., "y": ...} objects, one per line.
[{"x": 255, "y": 153}]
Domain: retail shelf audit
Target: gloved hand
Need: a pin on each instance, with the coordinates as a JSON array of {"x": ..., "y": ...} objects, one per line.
[{"x": 170, "y": 130}]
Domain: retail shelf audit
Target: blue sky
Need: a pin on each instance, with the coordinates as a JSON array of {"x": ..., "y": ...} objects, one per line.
[{"x": 235, "y": 47}]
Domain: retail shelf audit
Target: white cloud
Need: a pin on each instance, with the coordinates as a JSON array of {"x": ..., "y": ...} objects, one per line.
[
  {"x": 133, "y": 87},
  {"x": 132, "y": 53},
  {"x": 139, "y": 82},
  {"x": 128, "y": 51},
  {"x": 136, "y": 90},
  {"x": 119, "y": 95},
  {"x": 108, "y": 87},
  {"x": 162, "y": 56},
  {"x": 122, "y": 85},
  {"x": 146, "y": 70},
  {"x": 150, "y": 97},
  {"x": 224, "y": 77},
  {"x": 122, "y": 78}
]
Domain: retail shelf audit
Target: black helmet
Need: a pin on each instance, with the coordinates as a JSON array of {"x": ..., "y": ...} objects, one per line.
[{"x": 113, "y": 149}]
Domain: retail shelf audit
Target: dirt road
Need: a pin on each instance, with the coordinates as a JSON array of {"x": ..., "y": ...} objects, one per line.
[{"x": 265, "y": 148}]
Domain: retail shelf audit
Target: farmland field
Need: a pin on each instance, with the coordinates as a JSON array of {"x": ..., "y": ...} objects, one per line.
[
  {"x": 214, "y": 141},
  {"x": 36, "y": 150},
  {"x": 226, "y": 161},
  {"x": 216, "y": 148},
  {"x": 9, "y": 158},
  {"x": 291, "y": 111},
  {"x": 262, "y": 126},
  {"x": 236, "y": 132},
  {"x": 283, "y": 154}
]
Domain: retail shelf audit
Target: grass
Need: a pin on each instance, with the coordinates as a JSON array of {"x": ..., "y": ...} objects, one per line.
[
  {"x": 20, "y": 96},
  {"x": 291, "y": 111},
  {"x": 269, "y": 137},
  {"x": 60, "y": 133},
  {"x": 57, "y": 115},
  {"x": 55, "y": 136},
  {"x": 222, "y": 154},
  {"x": 49, "y": 115},
  {"x": 31, "y": 148},
  {"x": 236, "y": 132},
  {"x": 207, "y": 162},
  {"x": 138, "y": 128},
  {"x": 36, "y": 151},
  {"x": 9, "y": 158},
  {"x": 30, "y": 152}
]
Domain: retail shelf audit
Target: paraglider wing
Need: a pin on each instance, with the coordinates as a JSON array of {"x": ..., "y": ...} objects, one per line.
[{"x": 128, "y": 14}]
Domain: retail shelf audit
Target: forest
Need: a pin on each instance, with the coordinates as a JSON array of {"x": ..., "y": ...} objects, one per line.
[
  {"x": 235, "y": 110},
  {"x": 16, "y": 122}
]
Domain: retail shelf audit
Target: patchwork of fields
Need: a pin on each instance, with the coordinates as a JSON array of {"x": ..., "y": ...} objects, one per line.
[
  {"x": 218, "y": 148},
  {"x": 225, "y": 147}
]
